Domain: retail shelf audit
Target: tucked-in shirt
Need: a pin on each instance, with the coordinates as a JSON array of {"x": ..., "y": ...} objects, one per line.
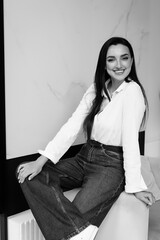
[{"x": 117, "y": 123}]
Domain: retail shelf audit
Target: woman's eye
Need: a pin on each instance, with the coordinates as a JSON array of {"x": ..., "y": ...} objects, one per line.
[
  {"x": 125, "y": 58},
  {"x": 110, "y": 60}
]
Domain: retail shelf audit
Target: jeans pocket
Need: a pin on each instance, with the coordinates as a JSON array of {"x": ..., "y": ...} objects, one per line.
[{"x": 114, "y": 156}]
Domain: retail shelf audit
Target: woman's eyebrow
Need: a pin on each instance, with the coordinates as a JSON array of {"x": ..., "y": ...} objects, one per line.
[
  {"x": 110, "y": 57},
  {"x": 123, "y": 55}
]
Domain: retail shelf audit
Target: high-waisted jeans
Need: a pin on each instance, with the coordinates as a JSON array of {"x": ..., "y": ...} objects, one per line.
[{"x": 97, "y": 170}]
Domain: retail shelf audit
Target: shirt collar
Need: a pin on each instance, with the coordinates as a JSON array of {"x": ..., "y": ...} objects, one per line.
[{"x": 119, "y": 89}]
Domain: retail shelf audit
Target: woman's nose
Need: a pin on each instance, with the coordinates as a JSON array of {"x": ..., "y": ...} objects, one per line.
[{"x": 118, "y": 64}]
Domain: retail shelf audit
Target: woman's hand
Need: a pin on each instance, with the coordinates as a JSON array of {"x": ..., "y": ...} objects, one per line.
[
  {"x": 30, "y": 169},
  {"x": 145, "y": 197}
]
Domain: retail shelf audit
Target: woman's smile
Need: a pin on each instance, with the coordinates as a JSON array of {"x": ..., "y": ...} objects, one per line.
[{"x": 119, "y": 71}]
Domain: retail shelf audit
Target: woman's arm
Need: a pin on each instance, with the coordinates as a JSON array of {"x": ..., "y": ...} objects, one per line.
[
  {"x": 69, "y": 131},
  {"x": 133, "y": 112},
  {"x": 61, "y": 142}
]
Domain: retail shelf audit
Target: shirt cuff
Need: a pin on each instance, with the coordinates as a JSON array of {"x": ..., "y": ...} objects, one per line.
[
  {"x": 47, "y": 155},
  {"x": 133, "y": 189}
]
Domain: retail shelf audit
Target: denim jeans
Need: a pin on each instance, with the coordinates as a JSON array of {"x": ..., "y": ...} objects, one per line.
[{"x": 97, "y": 170}]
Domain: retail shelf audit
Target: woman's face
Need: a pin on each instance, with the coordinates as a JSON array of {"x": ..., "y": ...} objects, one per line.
[{"x": 118, "y": 62}]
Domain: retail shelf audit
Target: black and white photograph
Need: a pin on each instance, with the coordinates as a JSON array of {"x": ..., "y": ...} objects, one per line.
[{"x": 80, "y": 120}]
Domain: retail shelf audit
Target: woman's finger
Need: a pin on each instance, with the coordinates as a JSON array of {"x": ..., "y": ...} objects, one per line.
[
  {"x": 32, "y": 176},
  {"x": 22, "y": 176},
  {"x": 146, "y": 201},
  {"x": 19, "y": 168},
  {"x": 149, "y": 199},
  {"x": 21, "y": 180}
]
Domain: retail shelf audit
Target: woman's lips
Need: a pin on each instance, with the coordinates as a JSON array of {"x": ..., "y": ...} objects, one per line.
[{"x": 119, "y": 72}]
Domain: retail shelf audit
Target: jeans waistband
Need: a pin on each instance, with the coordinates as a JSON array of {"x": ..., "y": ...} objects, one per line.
[{"x": 113, "y": 148}]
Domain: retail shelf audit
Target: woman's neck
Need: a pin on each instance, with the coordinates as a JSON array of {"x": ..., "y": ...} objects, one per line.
[{"x": 113, "y": 85}]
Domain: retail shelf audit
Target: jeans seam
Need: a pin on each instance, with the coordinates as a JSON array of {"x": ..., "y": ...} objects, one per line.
[
  {"x": 63, "y": 209},
  {"x": 103, "y": 205}
]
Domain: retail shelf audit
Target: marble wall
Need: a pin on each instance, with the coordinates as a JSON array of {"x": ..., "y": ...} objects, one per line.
[
  {"x": 51, "y": 51},
  {"x": 152, "y": 147}
]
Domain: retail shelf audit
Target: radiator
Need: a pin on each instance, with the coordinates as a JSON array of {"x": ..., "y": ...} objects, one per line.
[{"x": 23, "y": 226}]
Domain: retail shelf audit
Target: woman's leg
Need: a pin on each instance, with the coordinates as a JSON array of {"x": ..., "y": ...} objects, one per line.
[
  {"x": 57, "y": 217},
  {"x": 103, "y": 183},
  {"x": 102, "y": 180}
]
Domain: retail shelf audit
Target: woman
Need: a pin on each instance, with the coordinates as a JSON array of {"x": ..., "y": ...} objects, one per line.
[{"x": 112, "y": 112}]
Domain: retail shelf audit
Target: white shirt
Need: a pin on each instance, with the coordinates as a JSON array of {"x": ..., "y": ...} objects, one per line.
[{"x": 118, "y": 123}]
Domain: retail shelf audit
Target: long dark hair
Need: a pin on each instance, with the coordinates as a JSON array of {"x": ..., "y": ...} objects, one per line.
[{"x": 101, "y": 76}]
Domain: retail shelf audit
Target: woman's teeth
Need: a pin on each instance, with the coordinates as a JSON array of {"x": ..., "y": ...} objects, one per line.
[{"x": 119, "y": 71}]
